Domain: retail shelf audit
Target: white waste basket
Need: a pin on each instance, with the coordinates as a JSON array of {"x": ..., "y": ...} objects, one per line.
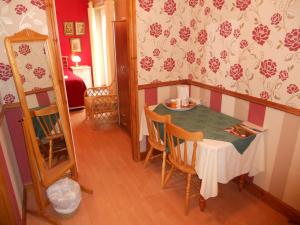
[{"x": 65, "y": 195}]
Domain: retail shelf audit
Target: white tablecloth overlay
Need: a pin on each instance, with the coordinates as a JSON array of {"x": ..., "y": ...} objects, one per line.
[{"x": 219, "y": 161}]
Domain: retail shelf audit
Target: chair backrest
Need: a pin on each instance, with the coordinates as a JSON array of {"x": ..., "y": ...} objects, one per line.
[
  {"x": 105, "y": 108},
  {"x": 48, "y": 121},
  {"x": 99, "y": 91},
  {"x": 157, "y": 128},
  {"x": 178, "y": 139}
]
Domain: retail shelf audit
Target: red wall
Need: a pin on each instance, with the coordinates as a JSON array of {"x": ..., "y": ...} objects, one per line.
[
  {"x": 75, "y": 10},
  {"x": 13, "y": 118},
  {"x": 11, "y": 193}
]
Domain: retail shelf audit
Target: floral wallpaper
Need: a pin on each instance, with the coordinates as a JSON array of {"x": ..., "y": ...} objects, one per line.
[
  {"x": 15, "y": 15},
  {"x": 166, "y": 40},
  {"x": 37, "y": 72},
  {"x": 247, "y": 46}
]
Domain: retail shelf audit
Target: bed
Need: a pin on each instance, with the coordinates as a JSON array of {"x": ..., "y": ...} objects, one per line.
[{"x": 75, "y": 87}]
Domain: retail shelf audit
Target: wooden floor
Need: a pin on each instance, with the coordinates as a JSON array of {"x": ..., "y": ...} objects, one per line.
[{"x": 127, "y": 194}]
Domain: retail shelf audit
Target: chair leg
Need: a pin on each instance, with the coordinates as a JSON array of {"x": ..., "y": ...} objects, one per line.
[
  {"x": 187, "y": 193},
  {"x": 163, "y": 169},
  {"x": 148, "y": 156},
  {"x": 168, "y": 176},
  {"x": 50, "y": 154}
]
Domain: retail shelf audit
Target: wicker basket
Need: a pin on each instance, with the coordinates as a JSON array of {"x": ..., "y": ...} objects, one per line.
[{"x": 101, "y": 104}]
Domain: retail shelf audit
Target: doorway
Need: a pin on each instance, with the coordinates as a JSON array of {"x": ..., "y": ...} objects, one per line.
[{"x": 129, "y": 12}]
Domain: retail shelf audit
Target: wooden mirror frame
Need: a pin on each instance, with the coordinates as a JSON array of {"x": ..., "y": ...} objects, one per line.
[
  {"x": 132, "y": 55},
  {"x": 48, "y": 176}
]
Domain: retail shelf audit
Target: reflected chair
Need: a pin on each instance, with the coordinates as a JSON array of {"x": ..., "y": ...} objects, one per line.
[
  {"x": 49, "y": 130},
  {"x": 182, "y": 158},
  {"x": 157, "y": 137}
]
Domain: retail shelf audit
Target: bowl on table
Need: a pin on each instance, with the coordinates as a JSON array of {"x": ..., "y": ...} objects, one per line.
[{"x": 174, "y": 104}]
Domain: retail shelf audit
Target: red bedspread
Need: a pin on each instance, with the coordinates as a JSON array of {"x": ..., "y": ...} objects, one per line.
[{"x": 75, "y": 89}]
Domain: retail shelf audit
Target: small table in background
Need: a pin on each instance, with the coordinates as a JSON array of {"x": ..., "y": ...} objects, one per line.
[{"x": 84, "y": 72}]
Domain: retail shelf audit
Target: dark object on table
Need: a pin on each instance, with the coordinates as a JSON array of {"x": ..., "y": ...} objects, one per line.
[{"x": 239, "y": 131}]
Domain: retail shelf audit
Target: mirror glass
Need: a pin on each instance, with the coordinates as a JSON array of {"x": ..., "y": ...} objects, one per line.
[
  {"x": 33, "y": 66},
  {"x": 35, "y": 71}
]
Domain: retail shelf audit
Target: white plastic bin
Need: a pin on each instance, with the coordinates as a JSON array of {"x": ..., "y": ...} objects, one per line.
[{"x": 65, "y": 195}]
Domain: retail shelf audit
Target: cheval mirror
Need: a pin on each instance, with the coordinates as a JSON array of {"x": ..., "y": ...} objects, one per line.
[{"x": 46, "y": 126}]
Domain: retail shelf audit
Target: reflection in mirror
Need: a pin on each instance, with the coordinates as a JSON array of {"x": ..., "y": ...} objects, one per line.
[
  {"x": 35, "y": 73},
  {"x": 32, "y": 60},
  {"x": 49, "y": 133}
]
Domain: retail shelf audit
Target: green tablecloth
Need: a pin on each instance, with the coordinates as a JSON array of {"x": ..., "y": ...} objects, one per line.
[{"x": 210, "y": 122}]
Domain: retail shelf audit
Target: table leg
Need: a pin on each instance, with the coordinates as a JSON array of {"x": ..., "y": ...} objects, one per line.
[
  {"x": 202, "y": 203},
  {"x": 242, "y": 182}
]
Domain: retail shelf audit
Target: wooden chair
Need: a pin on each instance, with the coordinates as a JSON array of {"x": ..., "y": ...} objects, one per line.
[
  {"x": 50, "y": 130},
  {"x": 178, "y": 156},
  {"x": 157, "y": 124},
  {"x": 101, "y": 104}
]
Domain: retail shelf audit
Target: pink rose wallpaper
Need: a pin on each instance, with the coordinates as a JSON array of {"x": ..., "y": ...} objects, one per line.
[
  {"x": 247, "y": 46},
  {"x": 15, "y": 16},
  {"x": 236, "y": 71},
  {"x": 33, "y": 65},
  {"x": 260, "y": 34},
  {"x": 225, "y": 29},
  {"x": 170, "y": 7}
]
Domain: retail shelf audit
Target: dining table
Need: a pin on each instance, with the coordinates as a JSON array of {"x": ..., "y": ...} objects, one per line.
[{"x": 221, "y": 156}]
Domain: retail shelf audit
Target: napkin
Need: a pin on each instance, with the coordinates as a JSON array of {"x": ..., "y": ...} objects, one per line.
[{"x": 183, "y": 92}]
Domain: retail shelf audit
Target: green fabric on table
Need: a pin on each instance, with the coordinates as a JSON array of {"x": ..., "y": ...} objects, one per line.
[{"x": 210, "y": 122}]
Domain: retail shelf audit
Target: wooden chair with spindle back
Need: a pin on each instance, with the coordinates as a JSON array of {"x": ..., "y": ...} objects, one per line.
[
  {"x": 157, "y": 128},
  {"x": 50, "y": 130},
  {"x": 178, "y": 139}
]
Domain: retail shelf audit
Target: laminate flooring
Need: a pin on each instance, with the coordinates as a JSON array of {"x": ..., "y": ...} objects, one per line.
[{"x": 127, "y": 194}]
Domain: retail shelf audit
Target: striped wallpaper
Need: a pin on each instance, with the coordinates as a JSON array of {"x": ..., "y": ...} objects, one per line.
[
  {"x": 13, "y": 154},
  {"x": 13, "y": 117},
  {"x": 9, "y": 166},
  {"x": 281, "y": 178}
]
